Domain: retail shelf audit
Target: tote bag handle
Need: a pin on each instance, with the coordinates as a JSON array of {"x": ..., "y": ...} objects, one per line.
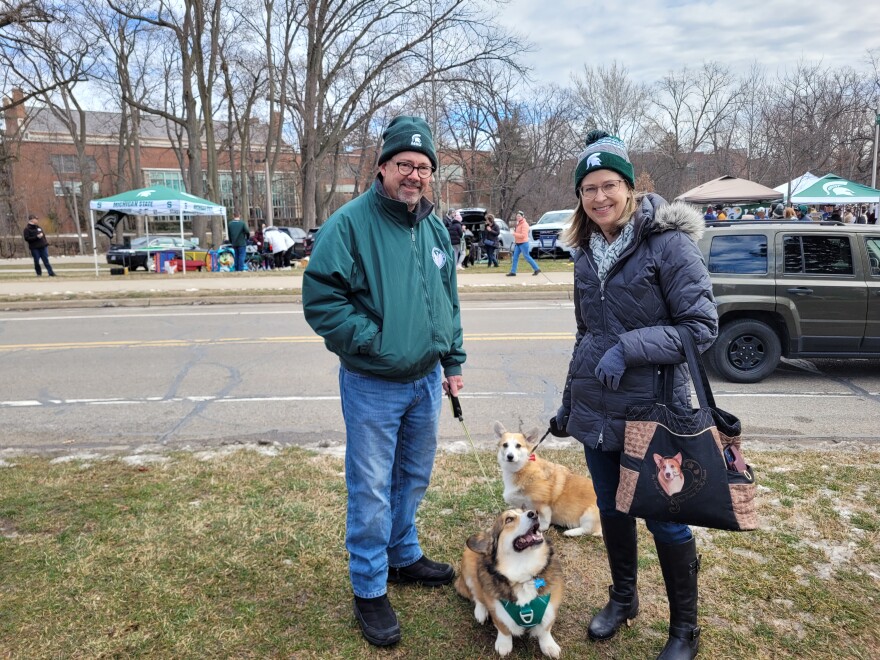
[{"x": 696, "y": 369}]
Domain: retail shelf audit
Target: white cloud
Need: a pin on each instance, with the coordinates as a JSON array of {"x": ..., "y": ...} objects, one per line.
[{"x": 653, "y": 37}]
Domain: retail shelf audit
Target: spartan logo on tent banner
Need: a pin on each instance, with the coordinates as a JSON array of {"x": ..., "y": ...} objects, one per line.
[{"x": 107, "y": 224}]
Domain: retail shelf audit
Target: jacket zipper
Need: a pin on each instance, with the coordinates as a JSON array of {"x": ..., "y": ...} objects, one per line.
[{"x": 427, "y": 298}]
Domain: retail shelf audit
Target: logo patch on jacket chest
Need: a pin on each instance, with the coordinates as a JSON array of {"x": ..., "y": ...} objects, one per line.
[{"x": 439, "y": 257}]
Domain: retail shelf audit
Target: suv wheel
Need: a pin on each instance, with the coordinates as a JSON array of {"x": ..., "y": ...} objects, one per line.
[{"x": 746, "y": 351}]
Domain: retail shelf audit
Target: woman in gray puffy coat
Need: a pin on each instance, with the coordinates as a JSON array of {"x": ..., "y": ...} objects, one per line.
[{"x": 638, "y": 274}]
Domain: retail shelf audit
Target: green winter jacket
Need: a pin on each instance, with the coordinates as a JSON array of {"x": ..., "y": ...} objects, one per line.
[{"x": 380, "y": 288}]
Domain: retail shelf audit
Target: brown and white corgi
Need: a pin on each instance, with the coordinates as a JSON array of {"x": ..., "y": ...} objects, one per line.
[
  {"x": 669, "y": 473},
  {"x": 512, "y": 575},
  {"x": 560, "y": 496}
]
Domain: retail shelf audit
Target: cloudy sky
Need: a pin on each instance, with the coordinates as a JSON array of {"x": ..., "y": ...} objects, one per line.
[{"x": 652, "y": 37}]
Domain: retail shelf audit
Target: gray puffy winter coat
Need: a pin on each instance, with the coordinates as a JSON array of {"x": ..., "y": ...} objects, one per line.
[{"x": 659, "y": 281}]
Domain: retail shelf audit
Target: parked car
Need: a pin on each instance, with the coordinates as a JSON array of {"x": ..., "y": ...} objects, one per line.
[
  {"x": 138, "y": 253},
  {"x": 310, "y": 240},
  {"x": 298, "y": 234},
  {"x": 794, "y": 290},
  {"x": 475, "y": 219},
  {"x": 550, "y": 224}
]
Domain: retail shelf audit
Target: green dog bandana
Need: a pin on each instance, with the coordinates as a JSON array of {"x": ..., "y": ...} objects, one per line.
[{"x": 530, "y": 614}]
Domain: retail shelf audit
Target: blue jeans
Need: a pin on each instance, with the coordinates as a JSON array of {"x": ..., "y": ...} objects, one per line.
[
  {"x": 521, "y": 249},
  {"x": 41, "y": 254},
  {"x": 240, "y": 254},
  {"x": 604, "y": 468},
  {"x": 391, "y": 438}
]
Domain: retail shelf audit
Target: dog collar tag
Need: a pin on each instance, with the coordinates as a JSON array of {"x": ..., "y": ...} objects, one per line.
[{"x": 531, "y": 457}]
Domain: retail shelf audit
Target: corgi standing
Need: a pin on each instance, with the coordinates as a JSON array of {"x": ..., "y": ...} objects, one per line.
[{"x": 558, "y": 495}]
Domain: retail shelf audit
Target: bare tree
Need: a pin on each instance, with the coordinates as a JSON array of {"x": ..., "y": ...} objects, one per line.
[
  {"x": 609, "y": 99},
  {"x": 194, "y": 26},
  {"x": 354, "y": 57},
  {"x": 688, "y": 107}
]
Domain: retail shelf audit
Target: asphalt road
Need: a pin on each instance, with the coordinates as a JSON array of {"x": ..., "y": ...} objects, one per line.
[{"x": 124, "y": 378}]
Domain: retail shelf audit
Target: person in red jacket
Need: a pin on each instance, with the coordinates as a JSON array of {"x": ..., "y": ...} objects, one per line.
[{"x": 39, "y": 246}]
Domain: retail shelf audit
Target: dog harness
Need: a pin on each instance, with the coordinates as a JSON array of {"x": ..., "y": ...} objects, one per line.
[{"x": 532, "y": 613}]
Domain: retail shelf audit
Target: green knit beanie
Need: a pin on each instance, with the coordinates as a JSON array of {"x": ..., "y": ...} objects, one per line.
[
  {"x": 603, "y": 152},
  {"x": 407, "y": 133}
]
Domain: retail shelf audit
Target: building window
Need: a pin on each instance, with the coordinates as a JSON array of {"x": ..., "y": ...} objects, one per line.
[
  {"x": 69, "y": 163},
  {"x": 63, "y": 188},
  {"x": 169, "y": 178}
]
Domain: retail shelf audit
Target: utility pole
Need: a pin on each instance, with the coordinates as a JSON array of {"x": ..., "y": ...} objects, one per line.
[
  {"x": 270, "y": 211},
  {"x": 876, "y": 135}
]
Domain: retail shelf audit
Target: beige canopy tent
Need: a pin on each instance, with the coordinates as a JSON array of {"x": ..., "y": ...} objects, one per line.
[{"x": 729, "y": 190}]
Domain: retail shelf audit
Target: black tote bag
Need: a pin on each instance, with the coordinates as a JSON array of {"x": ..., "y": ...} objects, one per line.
[{"x": 684, "y": 465}]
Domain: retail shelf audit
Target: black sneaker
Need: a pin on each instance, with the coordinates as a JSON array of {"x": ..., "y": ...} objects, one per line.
[
  {"x": 511, "y": 274},
  {"x": 536, "y": 272},
  {"x": 377, "y": 620},
  {"x": 424, "y": 572}
]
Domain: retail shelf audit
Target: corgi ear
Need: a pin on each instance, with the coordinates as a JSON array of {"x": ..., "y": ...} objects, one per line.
[
  {"x": 532, "y": 434},
  {"x": 499, "y": 429},
  {"x": 677, "y": 458},
  {"x": 658, "y": 459},
  {"x": 479, "y": 543}
]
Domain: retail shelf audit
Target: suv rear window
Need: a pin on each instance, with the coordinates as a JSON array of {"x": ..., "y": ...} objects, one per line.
[
  {"x": 742, "y": 255},
  {"x": 818, "y": 255}
]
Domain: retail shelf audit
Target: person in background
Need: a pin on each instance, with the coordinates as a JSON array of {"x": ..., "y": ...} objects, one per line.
[
  {"x": 833, "y": 214},
  {"x": 778, "y": 212},
  {"x": 803, "y": 214},
  {"x": 639, "y": 275},
  {"x": 456, "y": 236},
  {"x": 861, "y": 216},
  {"x": 521, "y": 238},
  {"x": 39, "y": 246},
  {"x": 848, "y": 216},
  {"x": 789, "y": 214},
  {"x": 760, "y": 213},
  {"x": 710, "y": 216},
  {"x": 490, "y": 241},
  {"x": 238, "y": 237},
  {"x": 381, "y": 290},
  {"x": 719, "y": 211}
]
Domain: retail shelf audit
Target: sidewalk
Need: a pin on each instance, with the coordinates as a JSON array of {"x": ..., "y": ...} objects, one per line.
[{"x": 77, "y": 286}]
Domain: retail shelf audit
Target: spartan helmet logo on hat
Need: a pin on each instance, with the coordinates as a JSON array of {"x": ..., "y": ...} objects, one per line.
[
  {"x": 416, "y": 140},
  {"x": 593, "y": 161}
]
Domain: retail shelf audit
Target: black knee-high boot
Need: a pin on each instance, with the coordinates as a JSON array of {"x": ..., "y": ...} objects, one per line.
[
  {"x": 619, "y": 533},
  {"x": 680, "y": 565}
]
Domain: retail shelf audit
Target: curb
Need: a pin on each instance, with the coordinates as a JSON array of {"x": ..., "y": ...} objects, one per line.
[{"x": 245, "y": 297}]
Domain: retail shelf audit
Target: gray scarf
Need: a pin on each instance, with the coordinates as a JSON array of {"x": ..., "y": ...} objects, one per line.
[{"x": 606, "y": 255}]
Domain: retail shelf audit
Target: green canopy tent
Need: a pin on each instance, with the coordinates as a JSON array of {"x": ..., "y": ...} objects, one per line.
[
  {"x": 155, "y": 201},
  {"x": 832, "y": 189}
]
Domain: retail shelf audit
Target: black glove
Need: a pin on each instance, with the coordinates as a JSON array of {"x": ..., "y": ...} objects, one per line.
[{"x": 556, "y": 430}]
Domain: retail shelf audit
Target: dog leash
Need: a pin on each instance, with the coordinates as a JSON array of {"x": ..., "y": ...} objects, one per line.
[
  {"x": 543, "y": 437},
  {"x": 456, "y": 412}
]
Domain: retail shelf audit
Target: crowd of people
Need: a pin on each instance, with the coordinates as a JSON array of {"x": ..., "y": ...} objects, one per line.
[{"x": 845, "y": 213}]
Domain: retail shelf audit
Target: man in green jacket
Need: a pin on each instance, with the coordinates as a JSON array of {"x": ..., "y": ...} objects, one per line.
[
  {"x": 380, "y": 288},
  {"x": 238, "y": 237}
]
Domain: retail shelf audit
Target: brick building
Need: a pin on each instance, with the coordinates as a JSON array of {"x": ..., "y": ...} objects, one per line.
[{"x": 43, "y": 174}]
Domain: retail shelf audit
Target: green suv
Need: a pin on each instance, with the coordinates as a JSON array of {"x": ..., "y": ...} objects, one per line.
[{"x": 798, "y": 290}]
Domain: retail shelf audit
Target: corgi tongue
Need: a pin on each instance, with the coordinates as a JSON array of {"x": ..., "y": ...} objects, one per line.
[{"x": 533, "y": 537}]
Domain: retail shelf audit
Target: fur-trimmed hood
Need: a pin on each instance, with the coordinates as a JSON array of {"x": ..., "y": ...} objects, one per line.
[{"x": 677, "y": 216}]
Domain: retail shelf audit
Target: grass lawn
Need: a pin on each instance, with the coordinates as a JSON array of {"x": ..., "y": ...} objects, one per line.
[{"x": 242, "y": 555}]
